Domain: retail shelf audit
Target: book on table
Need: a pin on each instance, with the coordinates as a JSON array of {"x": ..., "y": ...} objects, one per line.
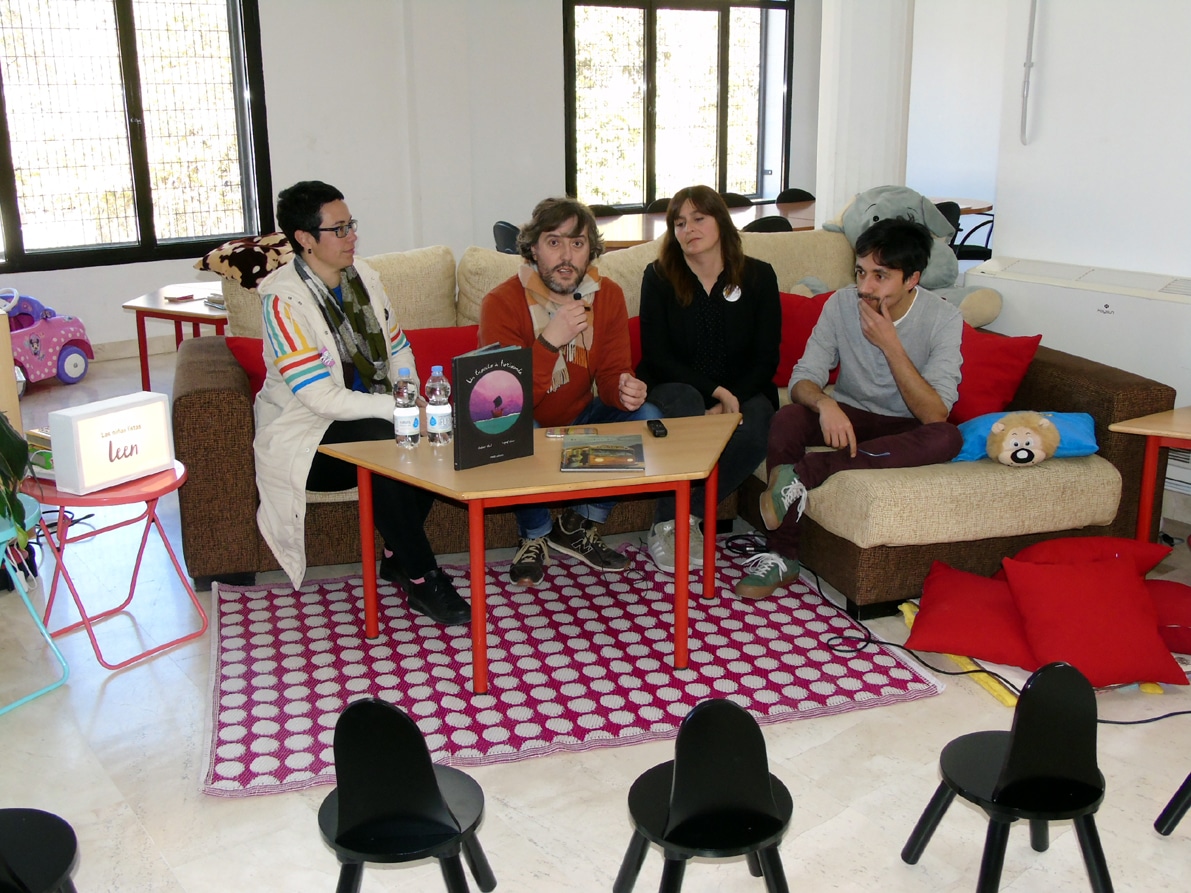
[
  {"x": 493, "y": 390},
  {"x": 602, "y": 452}
]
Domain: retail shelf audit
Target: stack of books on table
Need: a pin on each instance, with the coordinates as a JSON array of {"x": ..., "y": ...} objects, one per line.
[{"x": 41, "y": 456}]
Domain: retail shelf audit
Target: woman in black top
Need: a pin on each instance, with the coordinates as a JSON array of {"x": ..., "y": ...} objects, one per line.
[{"x": 711, "y": 323}]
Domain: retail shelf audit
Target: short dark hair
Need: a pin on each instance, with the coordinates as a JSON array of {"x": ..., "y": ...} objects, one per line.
[
  {"x": 300, "y": 208},
  {"x": 550, "y": 214},
  {"x": 897, "y": 243}
]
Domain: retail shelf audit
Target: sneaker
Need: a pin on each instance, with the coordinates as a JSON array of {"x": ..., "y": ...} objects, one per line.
[
  {"x": 661, "y": 545},
  {"x": 436, "y": 597},
  {"x": 527, "y": 568},
  {"x": 575, "y": 535},
  {"x": 767, "y": 571},
  {"x": 785, "y": 489}
]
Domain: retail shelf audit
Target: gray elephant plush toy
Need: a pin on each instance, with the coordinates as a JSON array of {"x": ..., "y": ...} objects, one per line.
[{"x": 979, "y": 306}]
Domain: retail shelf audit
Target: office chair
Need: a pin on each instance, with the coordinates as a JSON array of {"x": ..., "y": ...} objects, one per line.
[
  {"x": 964, "y": 251},
  {"x": 772, "y": 224},
  {"x": 716, "y": 799},
  {"x": 391, "y": 804},
  {"x": 506, "y": 235},
  {"x": 736, "y": 200},
  {"x": 1042, "y": 770},
  {"x": 38, "y": 851},
  {"x": 788, "y": 196}
]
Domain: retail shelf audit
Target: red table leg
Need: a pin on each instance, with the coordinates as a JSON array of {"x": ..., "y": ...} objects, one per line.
[
  {"x": 710, "y": 505},
  {"x": 1149, "y": 478},
  {"x": 479, "y": 598},
  {"x": 682, "y": 572},
  {"x": 177, "y": 333},
  {"x": 142, "y": 347},
  {"x": 368, "y": 553}
]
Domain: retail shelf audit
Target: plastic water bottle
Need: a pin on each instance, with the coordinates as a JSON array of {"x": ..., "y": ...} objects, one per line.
[
  {"x": 438, "y": 408},
  {"x": 407, "y": 422}
]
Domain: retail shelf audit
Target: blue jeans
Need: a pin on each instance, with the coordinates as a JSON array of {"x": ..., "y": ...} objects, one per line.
[{"x": 534, "y": 521}]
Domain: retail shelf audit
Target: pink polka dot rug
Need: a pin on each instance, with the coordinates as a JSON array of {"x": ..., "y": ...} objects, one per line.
[{"x": 583, "y": 662}]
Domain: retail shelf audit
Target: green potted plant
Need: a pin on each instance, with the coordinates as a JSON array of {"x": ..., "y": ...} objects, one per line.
[{"x": 14, "y": 466}]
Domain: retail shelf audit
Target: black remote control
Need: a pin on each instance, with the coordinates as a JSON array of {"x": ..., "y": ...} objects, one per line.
[{"x": 656, "y": 428}]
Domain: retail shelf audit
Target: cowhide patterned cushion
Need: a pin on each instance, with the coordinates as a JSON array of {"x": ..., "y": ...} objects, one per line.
[{"x": 248, "y": 260}]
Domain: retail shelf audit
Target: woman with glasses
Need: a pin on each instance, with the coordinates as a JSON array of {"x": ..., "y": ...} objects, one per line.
[
  {"x": 711, "y": 323},
  {"x": 333, "y": 346}
]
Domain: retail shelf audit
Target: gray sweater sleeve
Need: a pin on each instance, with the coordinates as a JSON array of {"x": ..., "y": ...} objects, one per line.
[{"x": 930, "y": 333}]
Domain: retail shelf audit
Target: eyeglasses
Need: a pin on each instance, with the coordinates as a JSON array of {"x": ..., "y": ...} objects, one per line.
[{"x": 342, "y": 230}]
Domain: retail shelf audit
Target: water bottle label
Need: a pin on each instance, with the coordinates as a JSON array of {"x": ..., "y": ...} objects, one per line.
[
  {"x": 406, "y": 420},
  {"x": 438, "y": 419}
]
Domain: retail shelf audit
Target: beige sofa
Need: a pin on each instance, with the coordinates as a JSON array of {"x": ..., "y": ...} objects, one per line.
[{"x": 869, "y": 534}]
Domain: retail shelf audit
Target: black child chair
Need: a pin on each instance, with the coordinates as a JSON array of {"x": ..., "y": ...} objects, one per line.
[
  {"x": 715, "y": 799},
  {"x": 392, "y": 804},
  {"x": 1042, "y": 770},
  {"x": 1175, "y": 809}
]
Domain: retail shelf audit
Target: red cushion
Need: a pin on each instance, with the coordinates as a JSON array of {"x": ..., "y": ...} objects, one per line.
[
  {"x": 250, "y": 354},
  {"x": 1097, "y": 616},
  {"x": 799, "y": 315},
  {"x": 1172, "y": 601},
  {"x": 993, "y": 368},
  {"x": 966, "y": 614},
  {"x": 1079, "y": 549},
  {"x": 634, "y": 341},
  {"x": 437, "y": 347}
]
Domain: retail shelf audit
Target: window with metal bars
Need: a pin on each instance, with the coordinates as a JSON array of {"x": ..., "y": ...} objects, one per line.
[
  {"x": 130, "y": 130},
  {"x": 662, "y": 95}
]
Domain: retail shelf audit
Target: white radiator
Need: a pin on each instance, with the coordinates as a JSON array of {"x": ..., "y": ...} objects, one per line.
[{"x": 1140, "y": 322}]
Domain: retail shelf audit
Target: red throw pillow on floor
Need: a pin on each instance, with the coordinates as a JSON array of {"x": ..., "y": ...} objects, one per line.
[
  {"x": 1078, "y": 549},
  {"x": 972, "y": 616},
  {"x": 250, "y": 354},
  {"x": 437, "y": 347},
  {"x": 799, "y": 315},
  {"x": 1172, "y": 601},
  {"x": 993, "y": 368},
  {"x": 1097, "y": 616}
]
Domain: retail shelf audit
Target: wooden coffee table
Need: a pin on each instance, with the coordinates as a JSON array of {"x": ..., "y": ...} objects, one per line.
[
  {"x": 1161, "y": 429},
  {"x": 689, "y": 453}
]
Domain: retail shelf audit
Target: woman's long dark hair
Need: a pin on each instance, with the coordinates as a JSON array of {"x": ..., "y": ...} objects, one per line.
[{"x": 671, "y": 262}]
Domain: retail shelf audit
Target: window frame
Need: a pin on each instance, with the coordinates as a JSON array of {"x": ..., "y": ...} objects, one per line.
[
  {"x": 650, "y": 7},
  {"x": 248, "y": 74}
]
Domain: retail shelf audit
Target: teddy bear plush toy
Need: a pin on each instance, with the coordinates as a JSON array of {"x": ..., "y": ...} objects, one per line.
[{"x": 1021, "y": 439}]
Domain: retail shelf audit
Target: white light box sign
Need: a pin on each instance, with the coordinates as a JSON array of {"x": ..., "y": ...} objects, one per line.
[{"x": 111, "y": 442}]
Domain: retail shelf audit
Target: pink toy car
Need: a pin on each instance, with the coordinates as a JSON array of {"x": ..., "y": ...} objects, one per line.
[{"x": 45, "y": 344}]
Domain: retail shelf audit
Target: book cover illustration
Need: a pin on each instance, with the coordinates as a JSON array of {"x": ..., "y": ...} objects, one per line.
[
  {"x": 602, "y": 452},
  {"x": 493, "y": 405}
]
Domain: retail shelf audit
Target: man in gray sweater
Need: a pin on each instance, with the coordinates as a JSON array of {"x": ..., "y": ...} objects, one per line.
[{"x": 896, "y": 346}]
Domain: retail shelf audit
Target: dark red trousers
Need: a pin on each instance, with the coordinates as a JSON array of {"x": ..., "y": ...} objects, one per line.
[{"x": 881, "y": 442}]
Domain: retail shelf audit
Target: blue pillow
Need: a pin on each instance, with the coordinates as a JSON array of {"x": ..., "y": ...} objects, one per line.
[{"x": 1077, "y": 435}]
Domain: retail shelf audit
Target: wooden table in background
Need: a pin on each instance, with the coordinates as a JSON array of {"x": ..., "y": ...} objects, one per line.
[
  {"x": 197, "y": 312},
  {"x": 1160, "y": 429},
  {"x": 689, "y": 453},
  {"x": 967, "y": 205},
  {"x": 627, "y": 230}
]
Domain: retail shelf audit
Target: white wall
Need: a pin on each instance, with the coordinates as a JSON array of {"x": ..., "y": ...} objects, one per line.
[
  {"x": 955, "y": 97},
  {"x": 1103, "y": 178}
]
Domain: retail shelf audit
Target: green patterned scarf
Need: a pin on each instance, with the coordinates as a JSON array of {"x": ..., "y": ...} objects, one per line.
[{"x": 363, "y": 345}]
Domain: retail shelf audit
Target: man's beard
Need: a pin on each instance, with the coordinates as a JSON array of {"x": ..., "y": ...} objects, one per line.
[{"x": 557, "y": 287}]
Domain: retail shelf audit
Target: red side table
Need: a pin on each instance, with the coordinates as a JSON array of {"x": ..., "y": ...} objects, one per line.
[{"x": 148, "y": 490}]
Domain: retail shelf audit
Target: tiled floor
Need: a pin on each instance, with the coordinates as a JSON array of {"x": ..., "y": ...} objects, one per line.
[{"x": 120, "y": 755}]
